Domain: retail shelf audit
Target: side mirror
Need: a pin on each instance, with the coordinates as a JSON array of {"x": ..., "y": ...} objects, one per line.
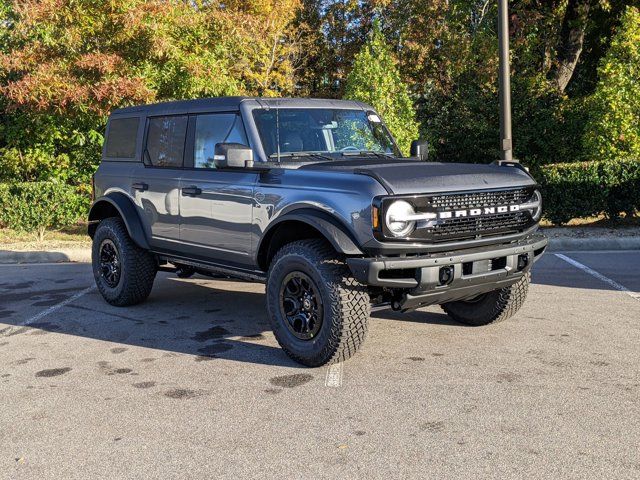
[
  {"x": 420, "y": 149},
  {"x": 233, "y": 155}
]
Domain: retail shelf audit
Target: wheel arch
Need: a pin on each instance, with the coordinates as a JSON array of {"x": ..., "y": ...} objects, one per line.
[
  {"x": 301, "y": 224},
  {"x": 117, "y": 204}
]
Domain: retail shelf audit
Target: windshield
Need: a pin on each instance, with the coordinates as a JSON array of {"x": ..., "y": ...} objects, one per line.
[{"x": 322, "y": 131}]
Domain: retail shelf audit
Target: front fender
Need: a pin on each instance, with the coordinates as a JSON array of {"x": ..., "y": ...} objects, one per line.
[
  {"x": 331, "y": 228},
  {"x": 105, "y": 206}
]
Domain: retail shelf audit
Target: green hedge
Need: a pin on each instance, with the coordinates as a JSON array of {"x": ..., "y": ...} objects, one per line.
[
  {"x": 570, "y": 190},
  {"x": 585, "y": 189},
  {"x": 37, "y": 206}
]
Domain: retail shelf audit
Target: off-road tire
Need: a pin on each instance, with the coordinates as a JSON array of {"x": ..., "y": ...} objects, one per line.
[
  {"x": 138, "y": 266},
  {"x": 345, "y": 302},
  {"x": 491, "y": 307}
]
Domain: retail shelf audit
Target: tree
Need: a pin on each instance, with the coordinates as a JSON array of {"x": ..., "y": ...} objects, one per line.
[
  {"x": 265, "y": 48},
  {"x": 65, "y": 64},
  {"x": 571, "y": 41},
  {"x": 375, "y": 79},
  {"x": 614, "y": 127}
]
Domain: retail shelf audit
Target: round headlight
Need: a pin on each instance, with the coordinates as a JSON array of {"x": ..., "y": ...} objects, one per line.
[
  {"x": 397, "y": 218},
  {"x": 536, "y": 203}
]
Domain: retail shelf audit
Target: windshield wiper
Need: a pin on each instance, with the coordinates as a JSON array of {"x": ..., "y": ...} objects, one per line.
[
  {"x": 368, "y": 152},
  {"x": 301, "y": 154}
]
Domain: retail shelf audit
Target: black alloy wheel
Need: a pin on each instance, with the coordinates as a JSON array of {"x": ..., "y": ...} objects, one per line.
[
  {"x": 110, "y": 266},
  {"x": 300, "y": 305}
]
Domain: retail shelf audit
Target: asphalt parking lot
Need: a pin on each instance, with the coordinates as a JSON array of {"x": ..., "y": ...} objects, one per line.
[{"x": 192, "y": 384}]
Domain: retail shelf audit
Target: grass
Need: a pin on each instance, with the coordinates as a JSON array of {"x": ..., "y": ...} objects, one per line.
[{"x": 73, "y": 236}]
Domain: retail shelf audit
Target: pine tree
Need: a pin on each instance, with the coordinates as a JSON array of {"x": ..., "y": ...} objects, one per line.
[{"x": 375, "y": 79}]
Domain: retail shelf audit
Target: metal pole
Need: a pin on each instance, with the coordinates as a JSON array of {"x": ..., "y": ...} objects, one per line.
[{"x": 506, "y": 146}]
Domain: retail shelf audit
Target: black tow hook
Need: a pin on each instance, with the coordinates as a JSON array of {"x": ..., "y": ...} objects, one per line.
[{"x": 445, "y": 275}]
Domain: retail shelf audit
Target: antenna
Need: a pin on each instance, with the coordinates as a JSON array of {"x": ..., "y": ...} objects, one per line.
[
  {"x": 504, "y": 83},
  {"x": 278, "y": 128}
]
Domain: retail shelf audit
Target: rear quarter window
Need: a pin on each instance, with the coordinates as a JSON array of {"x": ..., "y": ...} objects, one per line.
[{"x": 121, "y": 137}]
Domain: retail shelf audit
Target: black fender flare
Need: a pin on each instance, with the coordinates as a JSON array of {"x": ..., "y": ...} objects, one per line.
[
  {"x": 330, "y": 227},
  {"x": 127, "y": 211}
]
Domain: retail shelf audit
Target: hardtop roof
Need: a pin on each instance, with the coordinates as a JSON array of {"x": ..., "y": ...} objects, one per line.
[{"x": 233, "y": 103}]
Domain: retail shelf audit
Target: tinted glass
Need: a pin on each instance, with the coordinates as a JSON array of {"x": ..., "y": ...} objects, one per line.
[
  {"x": 322, "y": 130},
  {"x": 212, "y": 129},
  {"x": 121, "y": 141},
  {"x": 165, "y": 141}
]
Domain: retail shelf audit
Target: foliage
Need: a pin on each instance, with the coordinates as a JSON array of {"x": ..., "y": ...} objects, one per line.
[
  {"x": 91, "y": 56},
  {"x": 37, "y": 206},
  {"x": 375, "y": 80},
  {"x": 614, "y": 127},
  {"x": 65, "y": 64},
  {"x": 584, "y": 189}
]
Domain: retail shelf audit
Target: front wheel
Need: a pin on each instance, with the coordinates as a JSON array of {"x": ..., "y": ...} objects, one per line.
[
  {"x": 318, "y": 311},
  {"x": 490, "y": 307}
]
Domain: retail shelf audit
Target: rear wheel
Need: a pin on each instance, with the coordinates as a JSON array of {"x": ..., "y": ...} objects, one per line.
[
  {"x": 490, "y": 307},
  {"x": 318, "y": 311},
  {"x": 124, "y": 273}
]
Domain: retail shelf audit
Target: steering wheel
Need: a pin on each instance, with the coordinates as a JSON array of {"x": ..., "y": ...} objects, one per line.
[{"x": 350, "y": 148}]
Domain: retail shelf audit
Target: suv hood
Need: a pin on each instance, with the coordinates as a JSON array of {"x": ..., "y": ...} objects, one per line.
[{"x": 405, "y": 176}]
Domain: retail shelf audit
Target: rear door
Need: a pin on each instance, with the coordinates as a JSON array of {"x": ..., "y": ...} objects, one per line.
[
  {"x": 216, "y": 205},
  {"x": 156, "y": 182}
]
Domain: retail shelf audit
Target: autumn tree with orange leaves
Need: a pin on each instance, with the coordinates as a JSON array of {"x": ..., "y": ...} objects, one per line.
[{"x": 65, "y": 64}]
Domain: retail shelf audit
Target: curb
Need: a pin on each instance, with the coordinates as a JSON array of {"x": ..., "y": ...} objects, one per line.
[
  {"x": 556, "y": 243},
  {"x": 61, "y": 255},
  {"x": 593, "y": 243}
]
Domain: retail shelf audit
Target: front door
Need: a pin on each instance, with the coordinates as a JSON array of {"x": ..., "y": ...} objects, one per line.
[{"x": 216, "y": 205}]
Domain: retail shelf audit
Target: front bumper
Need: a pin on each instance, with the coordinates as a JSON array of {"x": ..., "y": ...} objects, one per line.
[{"x": 471, "y": 272}]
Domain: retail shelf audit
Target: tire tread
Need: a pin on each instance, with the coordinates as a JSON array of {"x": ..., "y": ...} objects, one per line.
[
  {"x": 350, "y": 305},
  {"x": 509, "y": 300},
  {"x": 139, "y": 265}
]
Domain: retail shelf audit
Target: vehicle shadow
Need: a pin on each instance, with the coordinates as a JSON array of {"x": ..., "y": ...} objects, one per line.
[
  {"x": 204, "y": 318},
  {"x": 199, "y": 317},
  {"x": 417, "y": 316}
]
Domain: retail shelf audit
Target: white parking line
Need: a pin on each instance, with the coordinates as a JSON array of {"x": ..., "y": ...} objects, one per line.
[
  {"x": 598, "y": 275},
  {"x": 55, "y": 307},
  {"x": 334, "y": 376}
]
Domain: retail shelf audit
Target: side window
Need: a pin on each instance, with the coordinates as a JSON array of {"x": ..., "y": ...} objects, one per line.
[
  {"x": 165, "y": 141},
  {"x": 121, "y": 140},
  {"x": 212, "y": 129}
]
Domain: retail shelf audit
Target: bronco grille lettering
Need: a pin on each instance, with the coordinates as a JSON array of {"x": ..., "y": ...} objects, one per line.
[{"x": 476, "y": 212}]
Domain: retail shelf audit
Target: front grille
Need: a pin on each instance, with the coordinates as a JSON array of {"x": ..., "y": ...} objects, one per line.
[
  {"x": 480, "y": 199},
  {"x": 460, "y": 223},
  {"x": 462, "y": 228}
]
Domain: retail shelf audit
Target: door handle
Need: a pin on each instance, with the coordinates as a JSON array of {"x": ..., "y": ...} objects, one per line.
[
  {"x": 191, "y": 191},
  {"x": 140, "y": 186}
]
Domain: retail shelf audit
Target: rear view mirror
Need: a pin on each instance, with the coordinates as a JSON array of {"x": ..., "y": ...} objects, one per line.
[
  {"x": 420, "y": 149},
  {"x": 233, "y": 155}
]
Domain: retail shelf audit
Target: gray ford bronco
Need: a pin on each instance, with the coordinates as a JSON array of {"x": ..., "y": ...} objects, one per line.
[{"x": 313, "y": 198}]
